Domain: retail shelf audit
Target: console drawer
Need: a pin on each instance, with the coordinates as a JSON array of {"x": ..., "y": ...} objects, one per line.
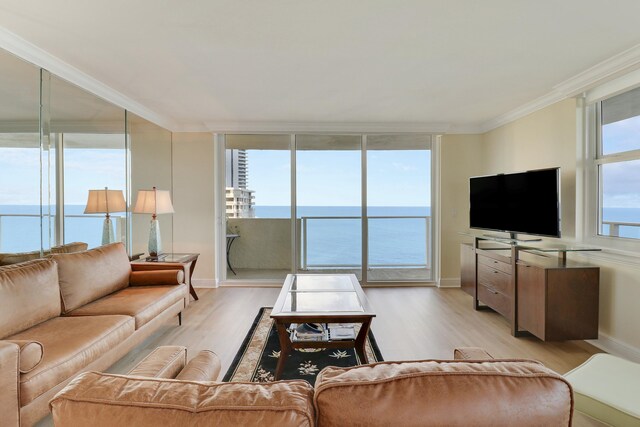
[
  {"x": 505, "y": 267},
  {"x": 495, "y": 279},
  {"x": 494, "y": 299}
]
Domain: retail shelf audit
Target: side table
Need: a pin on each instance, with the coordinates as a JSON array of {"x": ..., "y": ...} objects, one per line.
[{"x": 185, "y": 262}]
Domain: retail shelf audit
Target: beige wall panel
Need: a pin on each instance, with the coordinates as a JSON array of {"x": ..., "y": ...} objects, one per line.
[
  {"x": 193, "y": 200},
  {"x": 461, "y": 157},
  {"x": 150, "y": 166},
  {"x": 544, "y": 139}
]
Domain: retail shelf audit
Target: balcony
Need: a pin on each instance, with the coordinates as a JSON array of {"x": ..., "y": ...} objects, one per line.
[{"x": 399, "y": 247}]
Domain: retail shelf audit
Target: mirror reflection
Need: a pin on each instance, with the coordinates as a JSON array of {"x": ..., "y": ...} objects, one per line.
[{"x": 20, "y": 219}]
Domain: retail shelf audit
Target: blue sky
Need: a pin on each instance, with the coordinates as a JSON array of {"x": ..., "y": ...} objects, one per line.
[
  {"x": 621, "y": 181},
  {"x": 325, "y": 178},
  {"x": 332, "y": 178},
  {"x": 85, "y": 169}
]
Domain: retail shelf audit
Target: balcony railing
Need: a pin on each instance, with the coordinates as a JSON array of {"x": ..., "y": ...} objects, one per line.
[
  {"x": 119, "y": 221},
  {"x": 307, "y": 222},
  {"x": 614, "y": 227}
]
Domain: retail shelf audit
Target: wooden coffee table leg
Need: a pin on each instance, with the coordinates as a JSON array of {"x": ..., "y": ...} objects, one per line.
[
  {"x": 361, "y": 340},
  {"x": 285, "y": 348}
]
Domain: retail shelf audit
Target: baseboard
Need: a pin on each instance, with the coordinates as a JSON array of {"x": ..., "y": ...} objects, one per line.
[
  {"x": 615, "y": 347},
  {"x": 449, "y": 283},
  {"x": 204, "y": 283}
]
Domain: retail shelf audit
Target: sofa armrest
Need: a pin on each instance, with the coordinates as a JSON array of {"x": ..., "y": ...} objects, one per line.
[
  {"x": 30, "y": 356},
  {"x": 163, "y": 362},
  {"x": 204, "y": 367},
  {"x": 471, "y": 353},
  {"x": 9, "y": 383},
  {"x": 156, "y": 277}
]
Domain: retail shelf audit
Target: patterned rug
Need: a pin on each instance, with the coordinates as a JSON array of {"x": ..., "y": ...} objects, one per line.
[{"x": 258, "y": 356}]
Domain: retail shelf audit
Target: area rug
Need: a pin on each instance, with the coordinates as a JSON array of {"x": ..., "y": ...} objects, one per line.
[{"x": 258, "y": 355}]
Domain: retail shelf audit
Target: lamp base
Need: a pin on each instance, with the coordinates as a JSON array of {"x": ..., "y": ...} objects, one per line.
[
  {"x": 155, "y": 242},
  {"x": 107, "y": 232}
]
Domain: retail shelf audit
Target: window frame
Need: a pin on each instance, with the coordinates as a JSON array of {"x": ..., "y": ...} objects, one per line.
[{"x": 594, "y": 159}]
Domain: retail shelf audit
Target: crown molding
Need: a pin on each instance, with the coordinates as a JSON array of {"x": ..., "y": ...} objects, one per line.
[
  {"x": 40, "y": 58},
  {"x": 607, "y": 70},
  {"x": 464, "y": 129},
  {"x": 326, "y": 127}
]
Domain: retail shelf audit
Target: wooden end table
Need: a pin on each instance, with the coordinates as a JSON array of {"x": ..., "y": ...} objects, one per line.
[
  {"x": 185, "y": 262},
  {"x": 321, "y": 298}
]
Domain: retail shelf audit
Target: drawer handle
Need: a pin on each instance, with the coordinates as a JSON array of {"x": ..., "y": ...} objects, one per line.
[
  {"x": 495, "y": 262},
  {"x": 495, "y": 271}
]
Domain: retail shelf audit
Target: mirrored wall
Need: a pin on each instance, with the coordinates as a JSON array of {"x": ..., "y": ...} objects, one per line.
[
  {"x": 20, "y": 196},
  {"x": 71, "y": 164}
]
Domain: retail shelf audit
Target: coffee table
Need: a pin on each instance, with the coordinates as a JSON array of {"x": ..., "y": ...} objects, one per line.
[{"x": 321, "y": 298}]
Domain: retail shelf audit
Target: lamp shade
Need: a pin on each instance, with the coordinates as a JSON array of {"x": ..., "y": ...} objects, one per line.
[
  {"x": 153, "y": 202},
  {"x": 105, "y": 201}
]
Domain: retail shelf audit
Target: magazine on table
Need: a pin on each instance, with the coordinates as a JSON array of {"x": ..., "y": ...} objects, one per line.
[
  {"x": 342, "y": 331},
  {"x": 309, "y": 332}
]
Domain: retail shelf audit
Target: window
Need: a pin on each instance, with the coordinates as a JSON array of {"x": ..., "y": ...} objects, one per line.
[{"x": 616, "y": 168}]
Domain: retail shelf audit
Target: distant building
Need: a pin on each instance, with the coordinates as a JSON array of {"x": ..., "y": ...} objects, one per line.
[{"x": 239, "y": 200}]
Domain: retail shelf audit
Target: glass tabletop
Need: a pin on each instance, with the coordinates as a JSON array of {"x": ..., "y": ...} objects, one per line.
[
  {"x": 317, "y": 302},
  {"x": 304, "y": 295},
  {"x": 302, "y": 283}
]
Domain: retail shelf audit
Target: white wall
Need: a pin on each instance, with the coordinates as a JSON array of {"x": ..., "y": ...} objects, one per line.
[{"x": 193, "y": 201}]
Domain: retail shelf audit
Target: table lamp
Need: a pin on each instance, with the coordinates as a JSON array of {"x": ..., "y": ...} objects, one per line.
[
  {"x": 154, "y": 202},
  {"x": 105, "y": 201}
]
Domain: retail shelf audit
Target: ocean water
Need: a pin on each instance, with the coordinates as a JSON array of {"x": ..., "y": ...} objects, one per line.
[
  {"x": 337, "y": 241},
  {"x": 22, "y": 234},
  {"x": 329, "y": 241}
]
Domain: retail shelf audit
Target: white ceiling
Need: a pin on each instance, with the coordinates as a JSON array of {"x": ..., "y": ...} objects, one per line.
[{"x": 207, "y": 64}]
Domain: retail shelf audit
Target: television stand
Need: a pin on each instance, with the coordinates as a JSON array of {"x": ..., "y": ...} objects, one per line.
[{"x": 549, "y": 296}]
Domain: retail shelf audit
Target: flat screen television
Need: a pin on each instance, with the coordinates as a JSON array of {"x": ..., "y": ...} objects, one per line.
[{"x": 523, "y": 202}]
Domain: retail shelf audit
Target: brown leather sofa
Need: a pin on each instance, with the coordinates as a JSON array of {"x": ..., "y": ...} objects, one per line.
[
  {"x": 72, "y": 313},
  {"x": 471, "y": 390}
]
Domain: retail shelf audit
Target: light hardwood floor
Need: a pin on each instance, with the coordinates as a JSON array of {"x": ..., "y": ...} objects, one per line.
[{"x": 411, "y": 323}]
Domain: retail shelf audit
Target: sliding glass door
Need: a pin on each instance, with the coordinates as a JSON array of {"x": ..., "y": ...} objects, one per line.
[
  {"x": 321, "y": 203},
  {"x": 329, "y": 210},
  {"x": 399, "y": 208},
  {"x": 258, "y": 207}
]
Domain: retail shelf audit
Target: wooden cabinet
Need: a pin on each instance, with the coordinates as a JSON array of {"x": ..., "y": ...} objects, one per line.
[
  {"x": 558, "y": 303},
  {"x": 468, "y": 269},
  {"x": 495, "y": 286},
  {"x": 548, "y": 297}
]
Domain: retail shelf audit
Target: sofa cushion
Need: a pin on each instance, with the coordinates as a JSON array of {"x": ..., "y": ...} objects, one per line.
[
  {"x": 69, "y": 248},
  {"x": 29, "y": 294},
  {"x": 87, "y": 276},
  {"x": 99, "y": 400},
  {"x": 143, "y": 303},
  {"x": 452, "y": 393},
  {"x": 70, "y": 343}
]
